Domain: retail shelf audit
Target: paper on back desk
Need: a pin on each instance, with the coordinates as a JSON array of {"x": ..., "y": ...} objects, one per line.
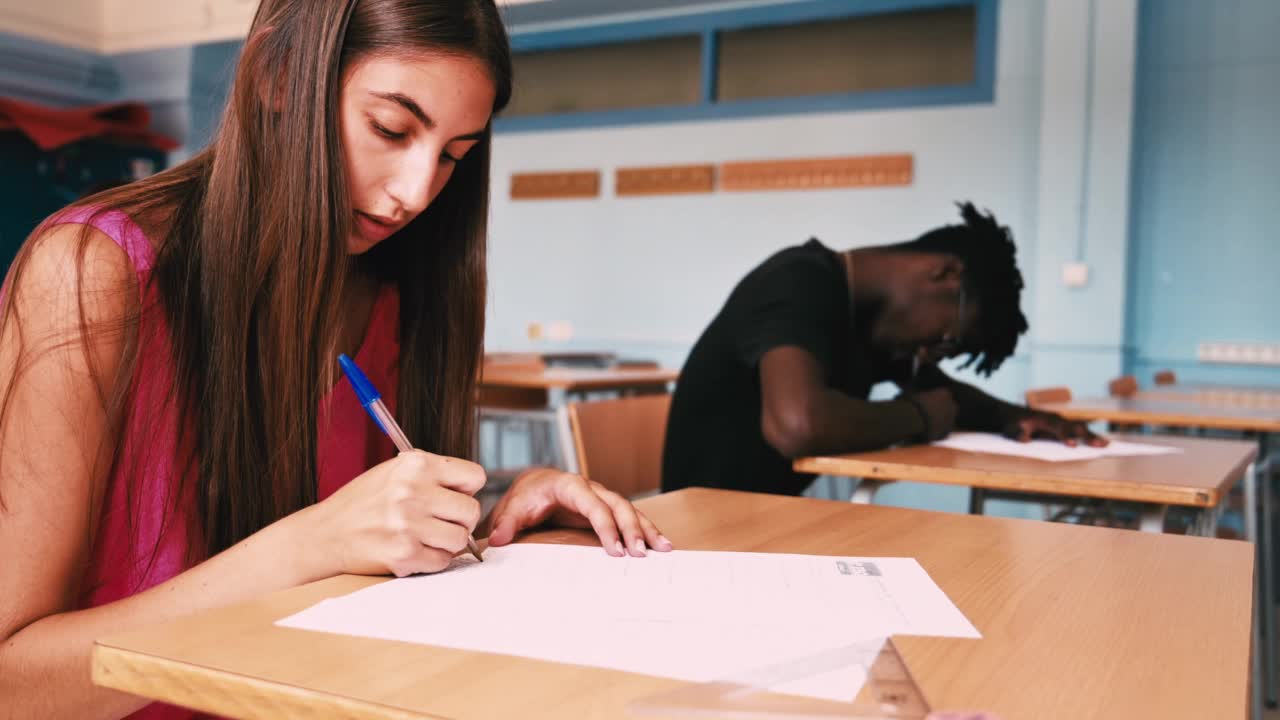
[
  {"x": 1048, "y": 450},
  {"x": 689, "y": 615}
]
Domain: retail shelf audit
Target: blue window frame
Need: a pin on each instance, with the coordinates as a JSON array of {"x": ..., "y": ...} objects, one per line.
[{"x": 710, "y": 24}]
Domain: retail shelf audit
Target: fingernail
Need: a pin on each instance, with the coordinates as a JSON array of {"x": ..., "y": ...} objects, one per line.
[
  {"x": 664, "y": 542},
  {"x": 637, "y": 548},
  {"x": 618, "y": 550}
]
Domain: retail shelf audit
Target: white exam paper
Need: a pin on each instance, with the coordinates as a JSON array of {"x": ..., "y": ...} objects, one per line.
[
  {"x": 690, "y": 615},
  {"x": 1048, "y": 450}
]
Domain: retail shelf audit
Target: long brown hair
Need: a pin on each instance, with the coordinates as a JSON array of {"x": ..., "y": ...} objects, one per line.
[{"x": 251, "y": 260}]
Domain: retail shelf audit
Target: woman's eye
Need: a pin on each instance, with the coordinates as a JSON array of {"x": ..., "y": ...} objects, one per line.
[{"x": 386, "y": 133}]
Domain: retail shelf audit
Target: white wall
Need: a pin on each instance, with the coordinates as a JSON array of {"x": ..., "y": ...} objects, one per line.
[
  {"x": 1049, "y": 156},
  {"x": 647, "y": 274},
  {"x": 162, "y": 80},
  {"x": 1083, "y": 200}
]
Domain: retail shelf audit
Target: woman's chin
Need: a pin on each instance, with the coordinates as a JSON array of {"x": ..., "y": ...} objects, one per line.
[{"x": 358, "y": 245}]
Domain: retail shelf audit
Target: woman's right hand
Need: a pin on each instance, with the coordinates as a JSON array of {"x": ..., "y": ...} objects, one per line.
[{"x": 410, "y": 514}]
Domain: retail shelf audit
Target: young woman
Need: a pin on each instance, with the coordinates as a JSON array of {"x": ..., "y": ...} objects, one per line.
[{"x": 174, "y": 434}]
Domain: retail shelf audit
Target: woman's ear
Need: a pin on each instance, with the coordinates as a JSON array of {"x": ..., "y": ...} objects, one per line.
[{"x": 269, "y": 75}]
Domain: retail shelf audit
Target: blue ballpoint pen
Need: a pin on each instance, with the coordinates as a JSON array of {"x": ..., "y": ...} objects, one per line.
[{"x": 371, "y": 399}]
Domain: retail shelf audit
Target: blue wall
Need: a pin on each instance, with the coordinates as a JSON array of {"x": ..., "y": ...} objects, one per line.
[
  {"x": 212, "y": 71},
  {"x": 1205, "y": 240}
]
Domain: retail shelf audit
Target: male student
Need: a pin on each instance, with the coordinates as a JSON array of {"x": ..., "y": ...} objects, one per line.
[{"x": 785, "y": 369}]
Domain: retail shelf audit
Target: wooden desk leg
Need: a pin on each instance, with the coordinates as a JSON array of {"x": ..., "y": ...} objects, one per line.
[
  {"x": 1260, "y": 661},
  {"x": 1251, "y": 514},
  {"x": 559, "y": 401},
  {"x": 865, "y": 493},
  {"x": 977, "y": 501},
  {"x": 568, "y": 455},
  {"x": 1265, "y": 489},
  {"x": 1152, "y": 520},
  {"x": 1256, "y": 689}
]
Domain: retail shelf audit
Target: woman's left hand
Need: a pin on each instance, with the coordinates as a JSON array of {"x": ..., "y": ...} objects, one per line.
[{"x": 544, "y": 495}]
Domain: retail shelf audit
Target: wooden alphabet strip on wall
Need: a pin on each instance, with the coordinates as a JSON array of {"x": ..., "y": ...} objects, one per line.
[
  {"x": 665, "y": 180},
  {"x": 818, "y": 173},
  {"x": 555, "y": 185}
]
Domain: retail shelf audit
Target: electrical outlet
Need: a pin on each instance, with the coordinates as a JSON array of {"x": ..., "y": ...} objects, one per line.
[{"x": 1246, "y": 353}]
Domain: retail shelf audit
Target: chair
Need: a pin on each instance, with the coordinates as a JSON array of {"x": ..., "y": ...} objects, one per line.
[
  {"x": 1123, "y": 387},
  {"x": 1048, "y": 396},
  {"x": 1166, "y": 377},
  {"x": 619, "y": 441}
]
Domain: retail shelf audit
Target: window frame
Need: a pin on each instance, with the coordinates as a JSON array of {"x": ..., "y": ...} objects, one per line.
[{"x": 709, "y": 24}]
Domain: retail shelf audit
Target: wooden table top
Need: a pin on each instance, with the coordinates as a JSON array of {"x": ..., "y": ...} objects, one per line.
[
  {"x": 1199, "y": 476},
  {"x": 1169, "y": 411},
  {"x": 571, "y": 379},
  {"x": 1264, "y": 389},
  {"x": 1226, "y": 396},
  {"x": 1076, "y": 621}
]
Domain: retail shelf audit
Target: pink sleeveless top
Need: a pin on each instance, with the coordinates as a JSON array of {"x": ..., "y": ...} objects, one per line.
[{"x": 131, "y": 526}]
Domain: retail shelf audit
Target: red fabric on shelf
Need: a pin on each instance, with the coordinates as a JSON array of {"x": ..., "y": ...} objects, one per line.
[{"x": 51, "y": 128}]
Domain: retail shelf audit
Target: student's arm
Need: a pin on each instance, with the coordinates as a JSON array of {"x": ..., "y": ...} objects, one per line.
[
  {"x": 409, "y": 514},
  {"x": 52, "y": 483},
  {"x": 981, "y": 412},
  {"x": 802, "y": 416}
]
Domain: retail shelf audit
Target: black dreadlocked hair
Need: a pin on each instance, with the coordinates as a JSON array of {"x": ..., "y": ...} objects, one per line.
[{"x": 991, "y": 278}]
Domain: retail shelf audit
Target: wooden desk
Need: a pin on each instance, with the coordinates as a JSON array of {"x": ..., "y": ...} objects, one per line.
[
  {"x": 1077, "y": 622},
  {"x": 1181, "y": 410},
  {"x": 543, "y": 395},
  {"x": 1189, "y": 414},
  {"x": 574, "y": 380},
  {"x": 1199, "y": 477},
  {"x": 1230, "y": 387},
  {"x": 1217, "y": 396},
  {"x": 1170, "y": 412}
]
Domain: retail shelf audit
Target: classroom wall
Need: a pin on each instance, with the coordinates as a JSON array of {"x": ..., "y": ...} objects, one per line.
[
  {"x": 161, "y": 80},
  {"x": 36, "y": 183},
  {"x": 212, "y": 70},
  {"x": 646, "y": 275},
  {"x": 1172, "y": 102},
  {"x": 1049, "y": 156},
  {"x": 1082, "y": 208},
  {"x": 1206, "y": 189}
]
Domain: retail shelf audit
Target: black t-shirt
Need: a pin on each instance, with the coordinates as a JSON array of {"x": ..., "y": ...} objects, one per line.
[{"x": 799, "y": 296}]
